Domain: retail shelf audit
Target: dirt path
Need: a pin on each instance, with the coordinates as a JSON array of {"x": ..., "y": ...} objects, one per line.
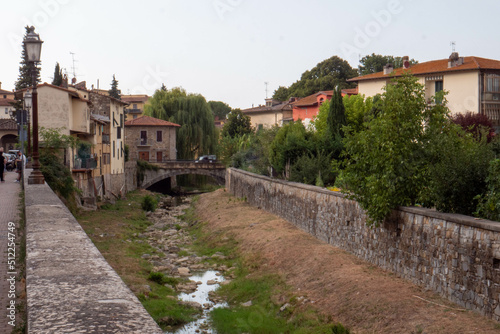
[{"x": 355, "y": 293}]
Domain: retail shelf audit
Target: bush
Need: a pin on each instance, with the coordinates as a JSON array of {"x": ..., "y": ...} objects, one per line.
[
  {"x": 149, "y": 203},
  {"x": 479, "y": 125},
  {"x": 313, "y": 170},
  {"x": 56, "y": 174},
  {"x": 457, "y": 172},
  {"x": 489, "y": 203}
]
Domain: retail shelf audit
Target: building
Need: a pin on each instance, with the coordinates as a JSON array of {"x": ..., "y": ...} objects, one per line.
[
  {"x": 272, "y": 113},
  {"x": 6, "y": 100},
  {"x": 8, "y": 134},
  {"x": 136, "y": 105},
  {"x": 104, "y": 109},
  {"x": 307, "y": 108},
  {"x": 151, "y": 139},
  {"x": 472, "y": 83}
]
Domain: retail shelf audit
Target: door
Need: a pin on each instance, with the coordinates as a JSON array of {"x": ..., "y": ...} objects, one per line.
[
  {"x": 144, "y": 156},
  {"x": 159, "y": 157}
]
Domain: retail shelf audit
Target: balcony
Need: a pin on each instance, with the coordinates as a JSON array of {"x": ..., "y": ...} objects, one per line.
[
  {"x": 105, "y": 139},
  {"x": 84, "y": 164},
  {"x": 143, "y": 142}
]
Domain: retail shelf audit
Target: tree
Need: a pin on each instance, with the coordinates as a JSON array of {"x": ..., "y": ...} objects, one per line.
[
  {"x": 326, "y": 75},
  {"x": 281, "y": 94},
  {"x": 114, "y": 91},
  {"x": 375, "y": 63},
  {"x": 336, "y": 117},
  {"x": 237, "y": 124},
  {"x": 58, "y": 76},
  {"x": 219, "y": 109},
  {"x": 25, "y": 79},
  {"x": 197, "y": 135},
  {"x": 387, "y": 163},
  {"x": 476, "y": 124}
]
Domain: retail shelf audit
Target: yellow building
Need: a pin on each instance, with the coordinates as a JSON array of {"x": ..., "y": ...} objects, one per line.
[
  {"x": 273, "y": 113},
  {"x": 136, "y": 105},
  {"x": 472, "y": 83}
]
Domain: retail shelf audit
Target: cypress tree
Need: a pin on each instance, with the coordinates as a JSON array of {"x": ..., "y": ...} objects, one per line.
[
  {"x": 336, "y": 116},
  {"x": 58, "y": 77},
  {"x": 114, "y": 91}
]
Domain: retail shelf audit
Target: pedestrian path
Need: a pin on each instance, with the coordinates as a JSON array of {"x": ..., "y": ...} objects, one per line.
[{"x": 9, "y": 212}]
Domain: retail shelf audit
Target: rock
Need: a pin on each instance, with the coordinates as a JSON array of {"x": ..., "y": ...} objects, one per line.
[
  {"x": 184, "y": 271},
  {"x": 284, "y": 307},
  {"x": 247, "y": 304},
  {"x": 226, "y": 282},
  {"x": 146, "y": 256},
  {"x": 211, "y": 282},
  {"x": 191, "y": 304}
]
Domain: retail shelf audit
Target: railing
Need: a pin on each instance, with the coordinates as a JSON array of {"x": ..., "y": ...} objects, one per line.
[
  {"x": 85, "y": 163},
  {"x": 492, "y": 110},
  {"x": 143, "y": 142}
]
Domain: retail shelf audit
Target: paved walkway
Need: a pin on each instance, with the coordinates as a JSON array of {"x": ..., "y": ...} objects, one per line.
[{"x": 9, "y": 212}]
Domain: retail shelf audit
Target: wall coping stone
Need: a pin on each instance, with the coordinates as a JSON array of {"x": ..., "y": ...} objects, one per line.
[{"x": 70, "y": 286}]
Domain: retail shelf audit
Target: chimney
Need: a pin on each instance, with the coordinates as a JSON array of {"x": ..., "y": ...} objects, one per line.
[
  {"x": 0, "y": 85},
  {"x": 388, "y": 68},
  {"x": 454, "y": 60},
  {"x": 406, "y": 62}
]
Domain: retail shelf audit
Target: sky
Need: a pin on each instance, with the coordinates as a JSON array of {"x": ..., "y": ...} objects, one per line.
[{"x": 227, "y": 50}]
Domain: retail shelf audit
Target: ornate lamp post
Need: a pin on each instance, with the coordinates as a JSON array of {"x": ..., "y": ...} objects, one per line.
[
  {"x": 33, "y": 48},
  {"x": 27, "y": 106}
]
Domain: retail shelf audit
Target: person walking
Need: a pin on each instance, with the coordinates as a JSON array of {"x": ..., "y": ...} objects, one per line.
[
  {"x": 20, "y": 161},
  {"x": 2, "y": 165}
]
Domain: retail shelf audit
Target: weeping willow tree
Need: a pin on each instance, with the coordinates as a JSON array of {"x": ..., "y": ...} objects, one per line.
[{"x": 197, "y": 135}]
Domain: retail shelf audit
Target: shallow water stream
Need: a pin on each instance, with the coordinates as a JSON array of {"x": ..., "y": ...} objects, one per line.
[{"x": 201, "y": 296}]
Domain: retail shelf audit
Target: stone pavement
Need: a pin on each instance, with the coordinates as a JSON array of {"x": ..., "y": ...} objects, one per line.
[{"x": 9, "y": 212}]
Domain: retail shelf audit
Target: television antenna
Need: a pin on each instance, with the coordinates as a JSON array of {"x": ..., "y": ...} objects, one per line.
[
  {"x": 73, "y": 68},
  {"x": 453, "y": 44},
  {"x": 266, "y": 83}
]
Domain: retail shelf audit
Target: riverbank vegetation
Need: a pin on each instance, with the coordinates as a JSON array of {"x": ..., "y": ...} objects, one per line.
[
  {"x": 259, "y": 300},
  {"x": 117, "y": 231},
  {"x": 399, "y": 148}
]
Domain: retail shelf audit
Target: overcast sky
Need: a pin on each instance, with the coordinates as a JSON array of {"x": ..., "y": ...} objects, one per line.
[{"x": 227, "y": 49}]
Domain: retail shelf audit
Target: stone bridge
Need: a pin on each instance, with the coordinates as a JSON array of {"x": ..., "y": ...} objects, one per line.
[{"x": 179, "y": 167}]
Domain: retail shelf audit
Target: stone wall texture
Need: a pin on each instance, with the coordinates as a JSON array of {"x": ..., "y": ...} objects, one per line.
[{"x": 454, "y": 255}]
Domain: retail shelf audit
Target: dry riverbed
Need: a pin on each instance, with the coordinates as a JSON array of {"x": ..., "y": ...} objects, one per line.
[{"x": 364, "y": 298}]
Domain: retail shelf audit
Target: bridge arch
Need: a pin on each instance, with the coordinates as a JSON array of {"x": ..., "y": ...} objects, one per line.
[{"x": 218, "y": 173}]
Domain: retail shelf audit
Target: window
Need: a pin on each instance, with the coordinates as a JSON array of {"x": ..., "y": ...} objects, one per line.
[
  {"x": 135, "y": 116},
  {"x": 159, "y": 136},
  {"x": 114, "y": 149},
  {"x": 135, "y": 106},
  {"x": 438, "y": 86},
  {"x": 119, "y": 133},
  {"x": 493, "y": 83},
  {"x": 6, "y": 111},
  {"x": 144, "y": 137}
]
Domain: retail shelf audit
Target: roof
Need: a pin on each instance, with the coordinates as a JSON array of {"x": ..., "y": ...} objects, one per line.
[
  {"x": 6, "y": 102},
  {"x": 278, "y": 107},
  {"x": 73, "y": 93},
  {"x": 98, "y": 92},
  {"x": 99, "y": 118},
  {"x": 436, "y": 66},
  {"x": 8, "y": 124},
  {"x": 349, "y": 91},
  {"x": 149, "y": 121},
  {"x": 3, "y": 91},
  {"x": 135, "y": 98},
  {"x": 311, "y": 99}
]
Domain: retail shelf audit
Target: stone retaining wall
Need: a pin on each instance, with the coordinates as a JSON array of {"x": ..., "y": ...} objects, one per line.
[
  {"x": 70, "y": 286},
  {"x": 457, "y": 256}
]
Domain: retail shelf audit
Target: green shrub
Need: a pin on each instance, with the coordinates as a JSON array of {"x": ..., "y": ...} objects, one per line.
[
  {"x": 489, "y": 203},
  {"x": 457, "y": 171},
  {"x": 56, "y": 174},
  {"x": 149, "y": 203},
  {"x": 157, "y": 277}
]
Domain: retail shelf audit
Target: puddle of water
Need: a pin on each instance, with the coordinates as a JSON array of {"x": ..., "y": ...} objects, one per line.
[{"x": 201, "y": 296}]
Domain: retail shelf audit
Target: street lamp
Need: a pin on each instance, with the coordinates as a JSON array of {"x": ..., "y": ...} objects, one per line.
[
  {"x": 33, "y": 49},
  {"x": 27, "y": 106}
]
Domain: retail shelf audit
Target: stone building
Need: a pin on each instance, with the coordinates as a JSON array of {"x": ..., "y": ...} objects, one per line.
[
  {"x": 151, "y": 139},
  {"x": 136, "y": 105}
]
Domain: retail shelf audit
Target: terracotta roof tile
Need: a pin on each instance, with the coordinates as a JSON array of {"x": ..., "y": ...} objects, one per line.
[
  {"x": 135, "y": 98},
  {"x": 149, "y": 121},
  {"x": 278, "y": 107},
  {"x": 6, "y": 102},
  {"x": 436, "y": 66},
  {"x": 311, "y": 99}
]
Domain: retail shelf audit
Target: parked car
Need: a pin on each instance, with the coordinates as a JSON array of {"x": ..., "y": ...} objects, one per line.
[{"x": 206, "y": 158}]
